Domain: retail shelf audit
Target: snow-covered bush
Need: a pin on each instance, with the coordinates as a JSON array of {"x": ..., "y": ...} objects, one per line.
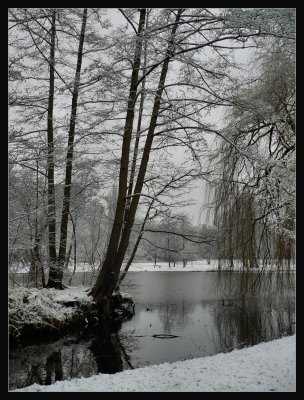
[{"x": 45, "y": 308}]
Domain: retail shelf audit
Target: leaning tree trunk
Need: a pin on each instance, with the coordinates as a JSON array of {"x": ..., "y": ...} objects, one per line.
[
  {"x": 56, "y": 275},
  {"x": 109, "y": 275},
  {"x": 142, "y": 231},
  {"x": 133, "y": 167},
  {"x": 107, "y": 267}
]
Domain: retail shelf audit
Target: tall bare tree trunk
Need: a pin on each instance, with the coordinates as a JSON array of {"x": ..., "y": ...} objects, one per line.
[
  {"x": 133, "y": 167},
  {"x": 50, "y": 160},
  {"x": 109, "y": 275},
  {"x": 56, "y": 274},
  {"x": 106, "y": 271},
  {"x": 138, "y": 130}
]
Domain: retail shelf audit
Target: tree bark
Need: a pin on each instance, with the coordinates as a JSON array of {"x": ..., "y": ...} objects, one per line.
[
  {"x": 56, "y": 274},
  {"x": 142, "y": 230},
  {"x": 73, "y": 242},
  {"x": 36, "y": 264}
]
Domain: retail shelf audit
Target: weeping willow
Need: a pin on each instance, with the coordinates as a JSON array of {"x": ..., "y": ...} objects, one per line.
[
  {"x": 255, "y": 223},
  {"x": 254, "y": 167},
  {"x": 244, "y": 237}
]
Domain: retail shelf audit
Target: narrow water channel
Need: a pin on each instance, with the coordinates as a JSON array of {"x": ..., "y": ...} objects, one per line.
[{"x": 178, "y": 316}]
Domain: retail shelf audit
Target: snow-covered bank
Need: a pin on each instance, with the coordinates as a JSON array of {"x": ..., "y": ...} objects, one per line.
[
  {"x": 265, "y": 367},
  {"x": 50, "y": 311},
  {"x": 53, "y": 309}
]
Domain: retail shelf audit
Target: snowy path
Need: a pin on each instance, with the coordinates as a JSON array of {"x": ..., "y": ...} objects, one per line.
[{"x": 262, "y": 368}]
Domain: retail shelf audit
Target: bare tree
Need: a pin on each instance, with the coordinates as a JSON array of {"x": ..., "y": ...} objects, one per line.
[
  {"x": 107, "y": 280},
  {"x": 56, "y": 270},
  {"x": 50, "y": 160}
]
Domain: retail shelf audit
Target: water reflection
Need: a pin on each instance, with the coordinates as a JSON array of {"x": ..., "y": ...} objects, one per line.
[
  {"x": 208, "y": 312},
  {"x": 250, "y": 321},
  {"x": 235, "y": 310},
  {"x": 246, "y": 283},
  {"x": 53, "y": 364},
  {"x": 106, "y": 350},
  {"x": 260, "y": 307},
  {"x": 89, "y": 353},
  {"x": 66, "y": 358}
]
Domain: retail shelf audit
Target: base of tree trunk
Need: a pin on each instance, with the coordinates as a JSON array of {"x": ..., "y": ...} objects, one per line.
[{"x": 116, "y": 307}]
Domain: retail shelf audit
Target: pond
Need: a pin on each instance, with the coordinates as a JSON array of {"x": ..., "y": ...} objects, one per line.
[{"x": 178, "y": 316}]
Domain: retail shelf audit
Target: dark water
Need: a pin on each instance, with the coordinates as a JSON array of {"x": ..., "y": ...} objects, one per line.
[{"x": 207, "y": 312}]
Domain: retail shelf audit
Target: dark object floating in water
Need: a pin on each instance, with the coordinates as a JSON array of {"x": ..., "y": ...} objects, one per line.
[{"x": 164, "y": 336}]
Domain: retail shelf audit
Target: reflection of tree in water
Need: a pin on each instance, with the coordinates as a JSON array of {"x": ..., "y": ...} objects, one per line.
[
  {"x": 67, "y": 357},
  {"x": 78, "y": 360},
  {"x": 245, "y": 282},
  {"x": 109, "y": 349},
  {"x": 34, "y": 376},
  {"x": 175, "y": 315},
  {"x": 106, "y": 352},
  {"x": 128, "y": 345},
  {"x": 253, "y": 319},
  {"x": 255, "y": 307},
  {"x": 71, "y": 357},
  {"x": 37, "y": 371},
  {"x": 53, "y": 365}
]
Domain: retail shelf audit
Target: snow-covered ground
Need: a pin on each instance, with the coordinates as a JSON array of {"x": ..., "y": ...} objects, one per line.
[
  {"x": 266, "y": 367},
  {"x": 195, "y": 266}
]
